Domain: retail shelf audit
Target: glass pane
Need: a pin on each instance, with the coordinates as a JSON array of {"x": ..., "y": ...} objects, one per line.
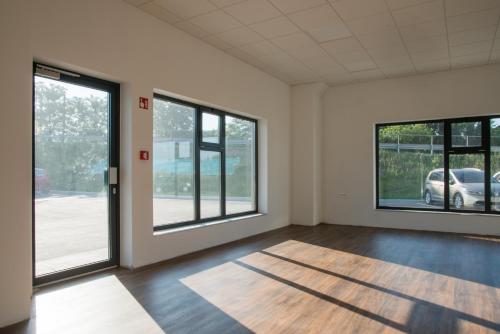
[
  {"x": 467, "y": 134},
  {"x": 210, "y": 125},
  {"x": 71, "y": 158},
  {"x": 411, "y": 165},
  {"x": 495, "y": 164},
  {"x": 173, "y": 167},
  {"x": 467, "y": 182},
  {"x": 240, "y": 165},
  {"x": 210, "y": 184}
]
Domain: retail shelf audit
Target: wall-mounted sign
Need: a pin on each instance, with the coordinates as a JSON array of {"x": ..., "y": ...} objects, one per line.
[{"x": 143, "y": 103}]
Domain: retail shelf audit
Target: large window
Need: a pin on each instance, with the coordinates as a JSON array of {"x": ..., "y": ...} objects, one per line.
[
  {"x": 442, "y": 165},
  {"x": 204, "y": 164}
]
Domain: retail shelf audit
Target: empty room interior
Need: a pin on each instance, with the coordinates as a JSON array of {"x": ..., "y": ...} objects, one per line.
[{"x": 250, "y": 166}]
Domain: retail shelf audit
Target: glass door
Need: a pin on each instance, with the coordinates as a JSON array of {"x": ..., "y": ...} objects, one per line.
[{"x": 75, "y": 174}]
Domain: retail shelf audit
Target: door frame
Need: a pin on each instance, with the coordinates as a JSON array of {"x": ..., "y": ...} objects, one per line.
[{"x": 114, "y": 161}]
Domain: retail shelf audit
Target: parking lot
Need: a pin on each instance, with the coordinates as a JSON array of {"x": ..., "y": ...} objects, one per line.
[
  {"x": 72, "y": 230},
  {"x": 409, "y": 203}
]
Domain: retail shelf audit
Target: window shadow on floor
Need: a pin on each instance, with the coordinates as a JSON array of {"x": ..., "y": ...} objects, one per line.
[{"x": 468, "y": 257}]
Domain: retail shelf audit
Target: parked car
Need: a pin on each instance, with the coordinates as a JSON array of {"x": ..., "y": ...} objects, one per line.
[
  {"x": 496, "y": 176},
  {"x": 42, "y": 182},
  {"x": 466, "y": 188}
]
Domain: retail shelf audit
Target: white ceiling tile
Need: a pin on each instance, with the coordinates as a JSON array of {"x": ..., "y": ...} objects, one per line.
[
  {"x": 369, "y": 75},
  {"x": 495, "y": 56},
  {"x": 428, "y": 11},
  {"x": 260, "y": 49},
  {"x": 336, "y": 79},
  {"x": 186, "y": 8},
  {"x": 395, "y": 51},
  {"x": 279, "y": 26},
  {"x": 397, "y": 71},
  {"x": 304, "y": 77},
  {"x": 351, "y": 9},
  {"x": 283, "y": 63},
  {"x": 359, "y": 65},
  {"x": 496, "y": 45},
  {"x": 191, "y": 29},
  {"x": 137, "y": 2},
  {"x": 470, "y": 48},
  {"x": 240, "y": 36},
  {"x": 388, "y": 38},
  {"x": 322, "y": 23},
  {"x": 457, "y": 7},
  {"x": 294, "y": 41},
  {"x": 344, "y": 45},
  {"x": 372, "y": 23},
  {"x": 470, "y": 36},
  {"x": 394, "y": 62},
  {"x": 252, "y": 11},
  {"x": 355, "y": 61},
  {"x": 426, "y": 44},
  {"x": 225, "y": 3},
  {"x": 307, "y": 53},
  {"x": 323, "y": 65},
  {"x": 290, "y": 6},
  {"x": 215, "y": 22},
  {"x": 396, "y": 4},
  {"x": 470, "y": 60},
  {"x": 217, "y": 42},
  {"x": 423, "y": 30},
  {"x": 159, "y": 12},
  {"x": 429, "y": 56},
  {"x": 473, "y": 20},
  {"x": 433, "y": 65}
]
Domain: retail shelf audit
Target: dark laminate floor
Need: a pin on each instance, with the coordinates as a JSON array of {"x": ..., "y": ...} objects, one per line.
[{"x": 326, "y": 279}]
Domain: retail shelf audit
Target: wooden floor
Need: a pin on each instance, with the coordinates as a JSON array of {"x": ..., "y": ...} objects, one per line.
[{"x": 326, "y": 279}]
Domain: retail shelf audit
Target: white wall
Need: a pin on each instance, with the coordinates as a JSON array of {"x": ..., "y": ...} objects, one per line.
[
  {"x": 115, "y": 41},
  {"x": 350, "y": 113},
  {"x": 15, "y": 166},
  {"x": 306, "y": 115}
]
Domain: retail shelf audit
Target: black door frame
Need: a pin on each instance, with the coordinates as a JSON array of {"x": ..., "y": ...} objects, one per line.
[{"x": 114, "y": 159}]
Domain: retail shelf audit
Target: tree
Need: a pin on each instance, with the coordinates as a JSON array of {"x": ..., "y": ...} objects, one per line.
[{"x": 71, "y": 137}]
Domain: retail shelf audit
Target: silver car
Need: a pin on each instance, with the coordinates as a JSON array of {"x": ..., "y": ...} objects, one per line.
[{"x": 466, "y": 188}]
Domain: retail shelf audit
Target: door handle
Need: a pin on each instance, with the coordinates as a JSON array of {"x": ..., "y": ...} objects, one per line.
[{"x": 113, "y": 175}]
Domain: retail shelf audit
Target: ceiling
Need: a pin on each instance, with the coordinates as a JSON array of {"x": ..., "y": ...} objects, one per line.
[{"x": 341, "y": 41}]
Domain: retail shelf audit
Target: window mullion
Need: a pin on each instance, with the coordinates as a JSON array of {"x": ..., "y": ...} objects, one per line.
[
  {"x": 487, "y": 163},
  {"x": 446, "y": 158},
  {"x": 198, "y": 134},
  {"x": 223, "y": 164}
]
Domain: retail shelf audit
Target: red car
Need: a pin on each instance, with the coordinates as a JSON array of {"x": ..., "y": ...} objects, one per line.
[{"x": 42, "y": 184}]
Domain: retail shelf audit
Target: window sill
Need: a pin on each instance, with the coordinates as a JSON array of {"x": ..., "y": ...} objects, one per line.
[
  {"x": 467, "y": 213},
  {"x": 206, "y": 224}
]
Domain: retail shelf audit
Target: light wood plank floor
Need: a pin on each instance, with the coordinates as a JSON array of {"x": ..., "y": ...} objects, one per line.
[{"x": 324, "y": 279}]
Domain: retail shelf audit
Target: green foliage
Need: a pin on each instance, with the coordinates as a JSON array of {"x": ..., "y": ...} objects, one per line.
[
  {"x": 410, "y": 133},
  {"x": 174, "y": 123},
  {"x": 71, "y": 138},
  {"x": 402, "y": 175}
]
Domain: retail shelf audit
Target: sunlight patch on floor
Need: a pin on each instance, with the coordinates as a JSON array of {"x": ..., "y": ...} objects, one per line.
[
  {"x": 397, "y": 277},
  {"x": 102, "y": 305},
  {"x": 299, "y": 287}
]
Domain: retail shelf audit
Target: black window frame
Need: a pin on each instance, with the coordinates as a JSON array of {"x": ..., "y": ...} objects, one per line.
[
  {"x": 200, "y": 145},
  {"x": 448, "y": 150}
]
